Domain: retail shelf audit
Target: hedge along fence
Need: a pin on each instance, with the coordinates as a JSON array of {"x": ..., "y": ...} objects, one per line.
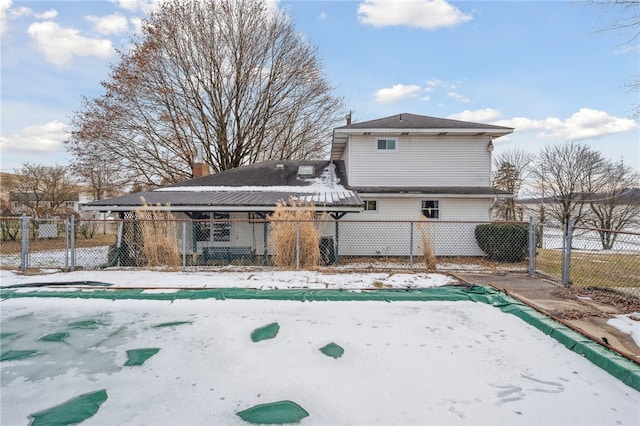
[{"x": 508, "y": 242}]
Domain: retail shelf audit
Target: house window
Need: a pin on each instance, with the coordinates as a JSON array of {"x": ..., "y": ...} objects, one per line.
[
  {"x": 431, "y": 209},
  {"x": 371, "y": 205},
  {"x": 386, "y": 144},
  {"x": 221, "y": 231}
]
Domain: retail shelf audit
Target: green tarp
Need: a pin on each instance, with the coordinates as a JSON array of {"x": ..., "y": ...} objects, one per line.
[
  {"x": 72, "y": 412},
  {"x": 274, "y": 413},
  {"x": 139, "y": 356},
  {"x": 618, "y": 366}
]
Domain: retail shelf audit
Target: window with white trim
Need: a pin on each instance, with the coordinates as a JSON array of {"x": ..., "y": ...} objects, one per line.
[
  {"x": 370, "y": 205},
  {"x": 221, "y": 231},
  {"x": 430, "y": 209},
  {"x": 386, "y": 144}
]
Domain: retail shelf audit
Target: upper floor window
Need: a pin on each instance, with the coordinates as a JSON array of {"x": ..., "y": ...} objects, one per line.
[
  {"x": 431, "y": 209},
  {"x": 370, "y": 205},
  {"x": 386, "y": 144}
]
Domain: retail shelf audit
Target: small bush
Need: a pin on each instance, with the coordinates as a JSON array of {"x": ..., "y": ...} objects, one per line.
[
  {"x": 282, "y": 238},
  {"x": 503, "y": 242},
  {"x": 426, "y": 235},
  {"x": 159, "y": 238}
]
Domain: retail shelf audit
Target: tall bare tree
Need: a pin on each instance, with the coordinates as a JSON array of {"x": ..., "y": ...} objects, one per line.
[
  {"x": 613, "y": 202},
  {"x": 623, "y": 16},
  {"x": 511, "y": 170},
  {"x": 42, "y": 189},
  {"x": 564, "y": 173},
  {"x": 233, "y": 76}
]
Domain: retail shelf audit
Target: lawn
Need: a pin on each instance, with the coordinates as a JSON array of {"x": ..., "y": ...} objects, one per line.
[{"x": 593, "y": 269}]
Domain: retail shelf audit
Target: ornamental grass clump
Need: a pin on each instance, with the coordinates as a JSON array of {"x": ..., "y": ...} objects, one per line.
[
  {"x": 159, "y": 233},
  {"x": 285, "y": 222},
  {"x": 425, "y": 230}
]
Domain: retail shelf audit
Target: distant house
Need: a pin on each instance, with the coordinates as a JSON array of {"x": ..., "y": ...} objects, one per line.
[{"x": 403, "y": 167}]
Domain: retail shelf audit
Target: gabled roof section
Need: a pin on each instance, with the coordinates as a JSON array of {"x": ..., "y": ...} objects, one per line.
[
  {"x": 412, "y": 124},
  {"x": 256, "y": 187}
]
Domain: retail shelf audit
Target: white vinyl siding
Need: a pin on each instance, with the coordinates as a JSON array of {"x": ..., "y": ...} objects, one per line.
[{"x": 422, "y": 161}]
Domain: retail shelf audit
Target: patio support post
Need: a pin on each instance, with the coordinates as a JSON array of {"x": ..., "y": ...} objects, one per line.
[
  {"x": 532, "y": 247},
  {"x": 337, "y": 256}
]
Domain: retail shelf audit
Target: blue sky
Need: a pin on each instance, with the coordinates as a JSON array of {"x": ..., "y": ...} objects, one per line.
[{"x": 541, "y": 67}]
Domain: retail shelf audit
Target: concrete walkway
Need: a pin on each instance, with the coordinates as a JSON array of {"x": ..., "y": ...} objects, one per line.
[{"x": 552, "y": 300}]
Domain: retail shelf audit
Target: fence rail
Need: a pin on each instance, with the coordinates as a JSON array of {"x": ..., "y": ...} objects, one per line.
[{"x": 582, "y": 257}]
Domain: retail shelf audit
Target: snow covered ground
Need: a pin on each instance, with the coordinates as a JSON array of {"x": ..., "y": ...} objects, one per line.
[{"x": 403, "y": 363}]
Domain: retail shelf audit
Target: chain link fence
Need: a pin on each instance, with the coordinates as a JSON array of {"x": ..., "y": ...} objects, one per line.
[
  {"x": 590, "y": 258},
  {"x": 584, "y": 257}
]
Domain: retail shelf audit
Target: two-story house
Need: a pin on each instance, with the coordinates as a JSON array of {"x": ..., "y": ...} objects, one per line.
[{"x": 401, "y": 168}]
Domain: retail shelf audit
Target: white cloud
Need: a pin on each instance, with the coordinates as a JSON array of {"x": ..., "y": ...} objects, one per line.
[
  {"x": 396, "y": 93},
  {"x": 322, "y": 15},
  {"x": 4, "y": 7},
  {"x": 585, "y": 124},
  {"x": 110, "y": 24},
  {"x": 47, "y": 16},
  {"x": 135, "y": 5},
  {"x": 458, "y": 97},
  {"x": 42, "y": 138},
  {"x": 486, "y": 115},
  {"x": 425, "y": 14},
  {"x": 59, "y": 45}
]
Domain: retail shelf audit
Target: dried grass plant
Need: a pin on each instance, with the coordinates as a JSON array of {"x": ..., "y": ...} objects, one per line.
[
  {"x": 160, "y": 242},
  {"x": 282, "y": 238},
  {"x": 425, "y": 228}
]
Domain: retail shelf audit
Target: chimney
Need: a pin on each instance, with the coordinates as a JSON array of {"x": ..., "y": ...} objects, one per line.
[
  {"x": 200, "y": 168},
  {"x": 348, "y": 117}
]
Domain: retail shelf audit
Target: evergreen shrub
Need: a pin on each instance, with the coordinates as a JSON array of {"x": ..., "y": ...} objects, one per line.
[{"x": 503, "y": 242}]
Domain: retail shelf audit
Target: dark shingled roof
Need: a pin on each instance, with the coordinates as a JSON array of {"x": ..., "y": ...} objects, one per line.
[
  {"x": 267, "y": 174},
  {"x": 407, "y": 124},
  {"x": 414, "y": 121}
]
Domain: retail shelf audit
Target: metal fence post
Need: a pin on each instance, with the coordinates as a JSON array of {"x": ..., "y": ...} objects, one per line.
[
  {"x": 298, "y": 246},
  {"x": 66, "y": 244},
  {"x": 566, "y": 254},
  {"x": 184, "y": 245},
  {"x": 73, "y": 243},
  {"x": 24, "y": 243},
  {"x": 532, "y": 247},
  {"x": 411, "y": 245}
]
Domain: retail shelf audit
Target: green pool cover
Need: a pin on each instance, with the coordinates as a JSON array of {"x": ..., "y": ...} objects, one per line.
[
  {"x": 18, "y": 355},
  {"x": 72, "y": 412},
  {"x": 618, "y": 366},
  {"x": 269, "y": 331},
  {"x": 55, "y": 337},
  {"x": 281, "y": 412},
  {"x": 139, "y": 356},
  {"x": 333, "y": 350}
]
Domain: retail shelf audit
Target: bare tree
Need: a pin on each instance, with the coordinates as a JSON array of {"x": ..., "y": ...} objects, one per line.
[
  {"x": 613, "y": 202},
  {"x": 623, "y": 16},
  {"x": 511, "y": 170},
  {"x": 565, "y": 174},
  {"x": 42, "y": 189},
  {"x": 233, "y": 76}
]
